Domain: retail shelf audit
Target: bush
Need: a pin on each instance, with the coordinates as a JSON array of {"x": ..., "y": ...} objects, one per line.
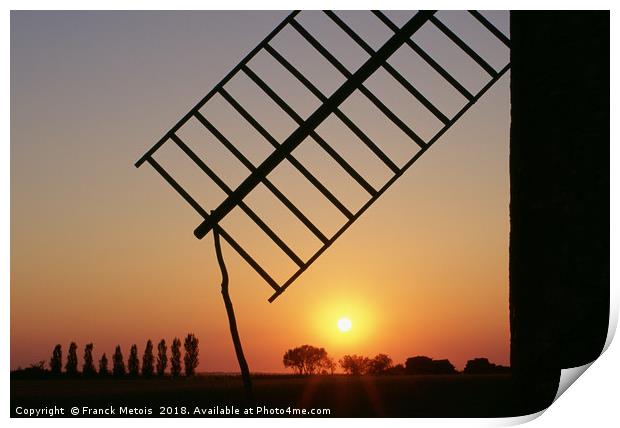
[
  {"x": 483, "y": 366},
  {"x": 426, "y": 365}
]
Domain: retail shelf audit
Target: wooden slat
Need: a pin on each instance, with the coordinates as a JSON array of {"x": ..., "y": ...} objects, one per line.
[
  {"x": 173, "y": 183},
  {"x": 244, "y": 207},
  {"x": 314, "y": 120}
]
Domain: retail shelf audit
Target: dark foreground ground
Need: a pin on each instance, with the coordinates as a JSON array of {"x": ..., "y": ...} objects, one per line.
[{"x": 343, "y": 396}]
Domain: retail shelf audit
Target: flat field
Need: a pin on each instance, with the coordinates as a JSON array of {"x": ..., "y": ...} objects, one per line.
[{"x": 283, "y": 396}]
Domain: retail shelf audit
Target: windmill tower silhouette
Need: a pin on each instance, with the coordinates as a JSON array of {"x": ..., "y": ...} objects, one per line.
[{"x": 305, "y": 131}]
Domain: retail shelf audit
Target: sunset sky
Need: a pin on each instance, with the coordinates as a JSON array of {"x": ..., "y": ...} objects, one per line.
[{"x": 103, "y": 252}]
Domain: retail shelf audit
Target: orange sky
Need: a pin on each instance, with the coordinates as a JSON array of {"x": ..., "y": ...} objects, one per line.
[{"x": 103, "y": 252}]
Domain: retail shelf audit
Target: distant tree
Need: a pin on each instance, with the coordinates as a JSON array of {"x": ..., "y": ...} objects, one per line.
[
  {"x": 328, "y": 365},
  {"x": 293, "y": 359},
  {"x": 118, "y": 363},
  {"x": 426, "y": 365},
  {"x": 175, "y": 361},
  {"x": 419, "y": 365},
  {"x": 355, "y": 364},
  {"x": 147, "y": 359},
  {"x": 162, "y": 357},
  {"x": 398, "y": 369},
  {"x": 72, "y": 360},
  {"x": 305, "y": 359},
  {"x": 103, "y": 366},
  {"x": 88, "y": 369},
  {"x": 56, "y": 360},
  {"x": 133, "y": 363},
  {"x": 444, "y": 367},
  {"x": 191, "y": 354},
  {"x": 381, "y": 363},
  {"x": 483, "y": 366}
]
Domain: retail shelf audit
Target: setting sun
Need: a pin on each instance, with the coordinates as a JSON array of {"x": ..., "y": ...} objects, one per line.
[{"x": 344, "y": 324}]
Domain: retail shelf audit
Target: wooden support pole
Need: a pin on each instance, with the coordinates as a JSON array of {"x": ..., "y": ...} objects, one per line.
[{"x": 243, "y": 365}]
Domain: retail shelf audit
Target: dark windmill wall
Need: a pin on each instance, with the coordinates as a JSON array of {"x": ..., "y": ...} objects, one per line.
[{"x": 559, "y": 168}]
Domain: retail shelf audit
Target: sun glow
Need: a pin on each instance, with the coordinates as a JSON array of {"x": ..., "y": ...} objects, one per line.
[{"x": 344, "y": 324}]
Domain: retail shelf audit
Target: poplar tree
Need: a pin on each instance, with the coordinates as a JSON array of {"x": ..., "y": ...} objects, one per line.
[
  {"x": 133, "y": 363},
  {"x": 147, "y": 359},
  {"x": 175, "y": 361},
  {"x": 162, "y": 357},
  {"x": 191, "y": 354},
  {"x": 118, "y": 364},
  {"x": 56, "y": 360},
  {"x": 72, "y": 360},
  {"x": 88, "y": 369},
  {"x": 103, "y": 365}
]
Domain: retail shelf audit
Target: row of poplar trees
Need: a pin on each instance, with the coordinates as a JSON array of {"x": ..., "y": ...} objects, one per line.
[{"x": 149, "y": 366}]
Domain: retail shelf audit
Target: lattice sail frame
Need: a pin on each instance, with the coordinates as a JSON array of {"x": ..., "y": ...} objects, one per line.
[{"x": 306, "y": 128}]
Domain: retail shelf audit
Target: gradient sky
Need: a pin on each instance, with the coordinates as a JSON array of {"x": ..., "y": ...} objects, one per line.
[{"x": 103, "y": 252}]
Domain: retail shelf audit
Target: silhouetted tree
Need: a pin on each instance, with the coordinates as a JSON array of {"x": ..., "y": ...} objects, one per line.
[
  {"x": 292, "y": 358},
  {"x": 398, "y": 369},
  {"x": 328, "y": 365},
  {"x": 419, "y": 365},
  {"x": 72, "y": 360},
  {"x": 133, "y": 363},
  {"x": 306, "y": 359},
  {"x": 88, "y": 369},
  {"x": 175, "y": 360},
  {"x": 483, "y": 366},
  {"x": 426, "y": 365},
  {"x": 191, "y": 354},
  {"x": 118, "y": 364},
  {"x": 56, "y": 360},
  {"x": 444, "y": 367},
  {"x": 147, "y": 359},
  {"x": 103, "y": 366},
  {"x": 355, "y": 364},
  {"x": 162, "y": 357},
  {"x": 380, "y": 364}
]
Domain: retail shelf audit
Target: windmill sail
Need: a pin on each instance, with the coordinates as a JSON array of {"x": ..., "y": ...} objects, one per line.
[{"x": 353, "y": 81}]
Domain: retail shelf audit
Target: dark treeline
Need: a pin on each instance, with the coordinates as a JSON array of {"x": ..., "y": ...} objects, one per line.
[
  {"x": 149, "y": 365},
  {"x": 307, "y": 359}
]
